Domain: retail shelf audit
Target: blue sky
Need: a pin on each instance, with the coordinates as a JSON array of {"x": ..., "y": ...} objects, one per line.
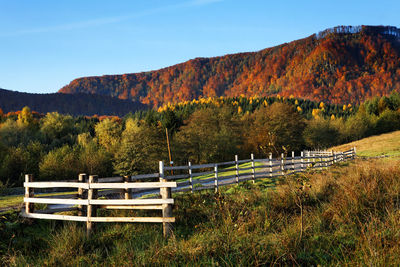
[{"x": 46, "y": 44}]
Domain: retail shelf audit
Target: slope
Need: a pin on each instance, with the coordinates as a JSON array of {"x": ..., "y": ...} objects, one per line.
[{"x": 385, "y": 144}]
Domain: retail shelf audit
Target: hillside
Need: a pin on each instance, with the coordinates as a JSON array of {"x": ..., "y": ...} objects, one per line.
[
  {"x": 387, "y": 144},
  {"x": 74, "y": 104},
  {"x": 338, "y": 65}
]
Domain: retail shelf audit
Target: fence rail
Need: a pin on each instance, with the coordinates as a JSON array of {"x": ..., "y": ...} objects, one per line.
[{"x": 95, "y": 193}]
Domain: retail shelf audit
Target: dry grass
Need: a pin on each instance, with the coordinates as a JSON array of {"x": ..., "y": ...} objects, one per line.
[
  {"x": 347, "y": 215},
  {"x": 384, "y": 144}
]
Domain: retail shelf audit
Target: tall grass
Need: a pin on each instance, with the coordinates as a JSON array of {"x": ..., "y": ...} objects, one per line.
[{"x": 348, "y": 215}]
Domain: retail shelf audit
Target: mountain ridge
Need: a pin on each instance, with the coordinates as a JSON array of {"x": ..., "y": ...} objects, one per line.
[
  {"x": 73, "y": 104},
  {"x": 341, "y": 64}
]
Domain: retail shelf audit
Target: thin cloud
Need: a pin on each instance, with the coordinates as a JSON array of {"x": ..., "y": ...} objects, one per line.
[{"x": 109, "y": 20}]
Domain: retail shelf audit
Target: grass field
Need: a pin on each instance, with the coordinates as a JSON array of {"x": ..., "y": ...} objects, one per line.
[
  {"x": 378, "y": 145},
  {"x": 346, "y": 215}
]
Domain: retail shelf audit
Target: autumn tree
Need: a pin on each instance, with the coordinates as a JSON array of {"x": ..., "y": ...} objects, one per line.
[
  {"x": 58, "y": 129},
  {"x": 274, "y": 129},
  {"x": 25, "y": 117},
  {"x": 141, "y": 149},
  {"x": 108, "y": 133},
  {"x": 210, "y": 135}
]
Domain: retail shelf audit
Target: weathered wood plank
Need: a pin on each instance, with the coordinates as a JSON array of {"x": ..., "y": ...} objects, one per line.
[
  {"x": 54, "y": 217},
  {"x": 134, "y": 219},
  {"x": 56, "y": 201},
  {"x": 202, "y": 166},
  {"x": 133, "y": 185},
  {"x": 166, "y": 194},
  {"x": 81, "y": 194},
  {"x": 132, "y": 207},
  {"x": 131, "y": 201},
  {"x": 55, "y": 184}
]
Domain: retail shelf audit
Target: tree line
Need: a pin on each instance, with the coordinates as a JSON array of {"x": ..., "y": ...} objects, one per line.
[{"x": 54, "y": 146}]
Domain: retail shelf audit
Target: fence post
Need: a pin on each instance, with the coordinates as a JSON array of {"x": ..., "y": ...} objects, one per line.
[
  {"x": 282, "y": 165},
  {"x": 81, "y": 208},
  {"x": 308, "y": 160},
  {"x": 190, "y": 176},
  {"x": 165, "y": 193},
  {"x": 216, "y": 178},
  {"x": 302, "y": 160},
  {"x": 293, "y": 161},
  {"x": 270, "y": 164},
  {"x": 237, "y": 168},
  {"x": 320, "y": 162},
  {"x": 127, "y": 191},
  {"x": 354, "y": 152},
  {"x": 29, "y": 207},
  {"x": 91, "y": 209},
  {"x": 253, "y": 170},
  {"x": 326, "y": 159}
]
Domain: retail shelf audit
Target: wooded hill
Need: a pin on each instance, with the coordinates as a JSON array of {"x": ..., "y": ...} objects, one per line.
[
  {"x": 73, "y": 104},
  {"x": 344, "y": 64}
]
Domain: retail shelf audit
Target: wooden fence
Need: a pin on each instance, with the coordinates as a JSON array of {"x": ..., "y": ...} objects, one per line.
[
  {"x": 90, "y": 197},
  {"x": 128, "y": 192},
  {"x": 212, "y": 176}
]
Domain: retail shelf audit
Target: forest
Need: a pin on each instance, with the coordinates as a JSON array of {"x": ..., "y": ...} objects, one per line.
[
  {"x": 339, "y": 65},
  {"x": 54, "y": 146}
]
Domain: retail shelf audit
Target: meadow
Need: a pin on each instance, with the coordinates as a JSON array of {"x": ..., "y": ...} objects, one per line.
[{"x": 346, "y": 215}]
